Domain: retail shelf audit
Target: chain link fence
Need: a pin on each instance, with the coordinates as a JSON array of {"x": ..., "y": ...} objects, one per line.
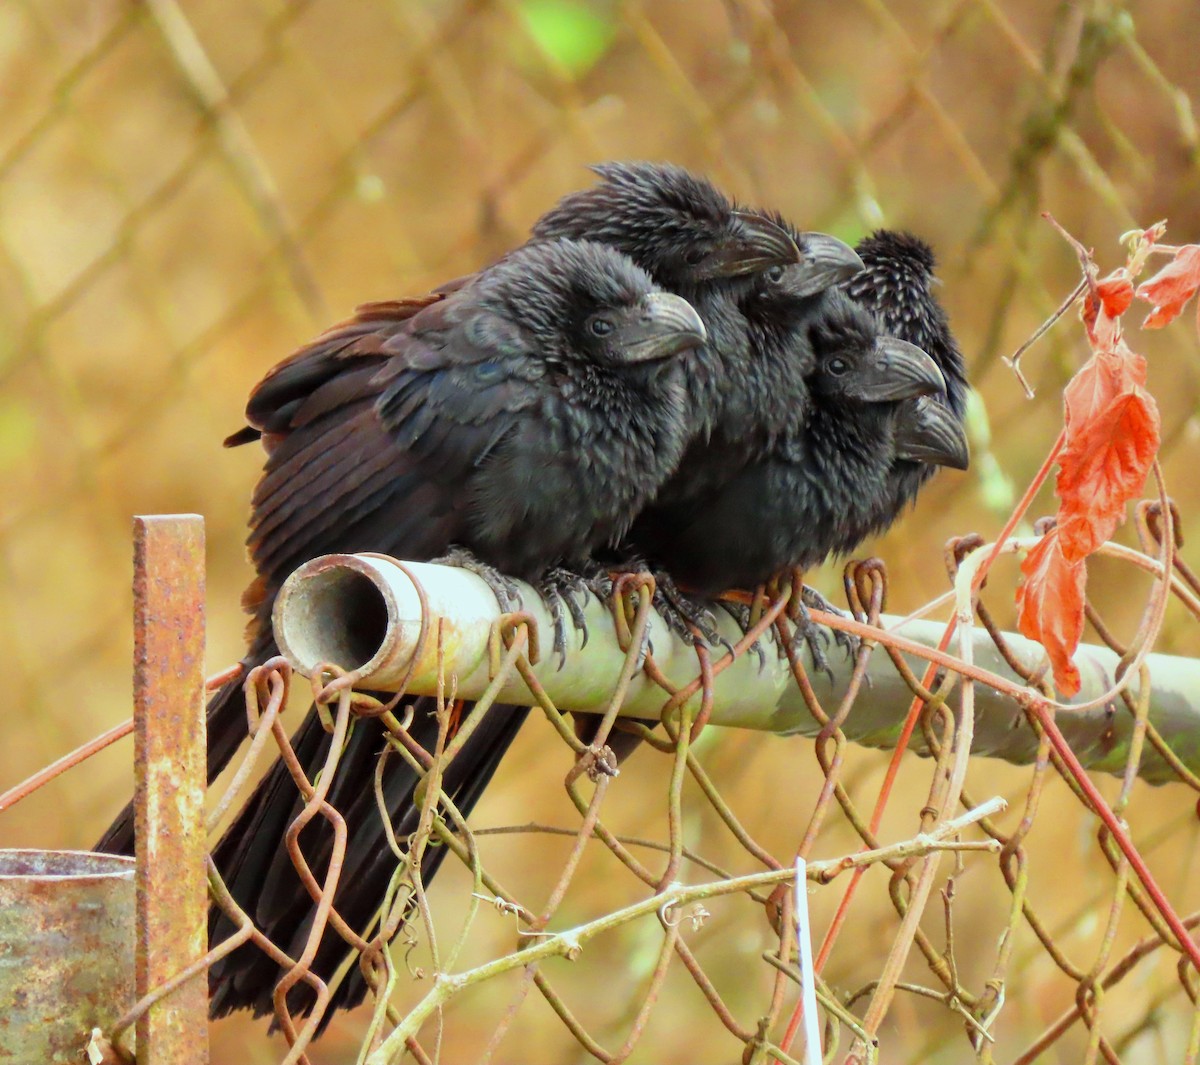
[{"x": 189, "y": 190}]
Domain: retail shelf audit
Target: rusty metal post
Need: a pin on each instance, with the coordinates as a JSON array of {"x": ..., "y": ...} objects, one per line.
[{"x": 170, "y": 777}]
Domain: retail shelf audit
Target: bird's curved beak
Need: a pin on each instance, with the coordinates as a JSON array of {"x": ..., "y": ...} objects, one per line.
[
  {"x": 756, "y": 244},
  {"x": 929, "y": 431},
  {"x": 896, "y": 370},
  {"x": 825, "y": 261},
  {"x": 661, "y": 325}
]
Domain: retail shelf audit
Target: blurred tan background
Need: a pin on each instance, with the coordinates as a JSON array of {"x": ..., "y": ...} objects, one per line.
[{"x": 189, "y": 190}]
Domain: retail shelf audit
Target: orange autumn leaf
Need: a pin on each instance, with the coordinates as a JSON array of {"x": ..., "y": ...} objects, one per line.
[
  {"x": 1110, "y": 440},
  {"x": 1112, "y": 434},
  {"x": 1115, "y": 292},
  {"x": 1097, "y": 383},
  {"x": 1102, "y": 467},
  {"x": 1110, "y": 296},
  {"x": 1170, "y": 289},
  {"x": 1050, "y": 607}
]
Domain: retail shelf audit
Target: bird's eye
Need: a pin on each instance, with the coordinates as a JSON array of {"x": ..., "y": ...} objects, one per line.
[
  {"x": 775, "y": 275},
  {"x": 837, "y": 366},
  {"x": 695, "y": 256},
  {"x": 600, "y": 327}
]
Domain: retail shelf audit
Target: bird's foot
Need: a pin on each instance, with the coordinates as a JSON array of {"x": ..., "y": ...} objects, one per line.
[
  {"x": 814, "y": 600},
  {"x": 809, "y": 633},
  {"x": 744, "y": 616},
  {"x": 684, "y": 615},
  {"x": 562, "y": 590},
  {"x": 816, "y": 637},
  {"x": 502, "y": 587},
  {"x": 603, "y": 585}
]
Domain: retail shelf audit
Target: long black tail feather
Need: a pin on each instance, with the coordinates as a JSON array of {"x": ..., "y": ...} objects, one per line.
[{"x": 252, "y": 855}]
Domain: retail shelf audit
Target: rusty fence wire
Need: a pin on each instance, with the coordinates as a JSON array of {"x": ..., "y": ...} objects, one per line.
[
  {"x": 190, "y": 188},
  {"x": 681, "y": 886}
]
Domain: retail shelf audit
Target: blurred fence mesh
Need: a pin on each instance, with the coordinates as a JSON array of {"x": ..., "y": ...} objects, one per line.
[{"x": 188, "y": 190}]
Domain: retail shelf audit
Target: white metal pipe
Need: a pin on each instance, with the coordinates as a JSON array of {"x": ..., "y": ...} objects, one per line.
[{"x": 364, "y": 612}]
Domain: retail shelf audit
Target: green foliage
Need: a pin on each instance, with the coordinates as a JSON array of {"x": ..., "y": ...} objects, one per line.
[{"x": 574, "y": 35}]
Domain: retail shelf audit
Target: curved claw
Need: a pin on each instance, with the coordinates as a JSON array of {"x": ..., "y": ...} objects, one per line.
[
  {"x": 575, "y": 608},
  {"x": 848, "y": 642},
  {"x": 555, "y": 605},
  {"x": 559, "y": 589},
  {"x": 686, "y": 617},
  {"x": 809, "y": 632},
  {"x": 741, "y": 614}
]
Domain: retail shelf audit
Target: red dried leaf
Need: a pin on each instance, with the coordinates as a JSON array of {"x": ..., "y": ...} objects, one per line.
[
  {"x": 1103, "y": 466},
  {"x": 1095, "y": 386},
  {"x": 1050, "y": 605},
  {"x": 1115, "y": 292},
  {"x": 1171, "y": 288},
  {"x": 1111, "y": 439},
  {"x": 1103, "y": 306}
]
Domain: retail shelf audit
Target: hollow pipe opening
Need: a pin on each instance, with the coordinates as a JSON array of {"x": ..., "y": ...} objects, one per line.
[{"x": 336, "y": 610}]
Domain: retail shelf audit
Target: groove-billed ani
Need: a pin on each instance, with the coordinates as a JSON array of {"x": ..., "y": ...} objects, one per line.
[
  {"x": 735, "y": 395},
  {"x": 837, "y": 479},
  {"x": 897, "y": 283},
  {"x": 649, "y": 211},
  {"x": 822, "y": 481},
  {"x": 886, "y": 452},
  {"x": 525, "y": 417},
  {"x": 846, "y": 492},
  {"x": 712, "y": 240}
]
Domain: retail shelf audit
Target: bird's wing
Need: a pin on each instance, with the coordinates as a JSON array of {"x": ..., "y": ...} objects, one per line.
[
  {"x": 275, "y": 400},
  {"x": 381, "y": 454},
  {"x": 461, "y": 387}
]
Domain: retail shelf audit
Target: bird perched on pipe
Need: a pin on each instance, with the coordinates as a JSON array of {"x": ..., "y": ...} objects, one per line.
[
  {"x": 807, "y": 496},
  {"x": 375, "y": 445},
  {"x": 316, "y": 384},
  {"x": 713, "y": 241},
  {"x": 564, "y": 360},
  {"x": 737, "y": 400},
  {"x": 855, "y": 452}
]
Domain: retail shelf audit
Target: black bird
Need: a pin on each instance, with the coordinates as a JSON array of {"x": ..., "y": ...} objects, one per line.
[
  {"x": 846, "y": 452},
  {"x": 855, "y": 468},
  {"x": 692, "y": 240},
  {"x": 897, "y": 284},
  {"x": 420, "y": 439},
  {"x": 824, "y": 480},
  {"x": 859, "y": 459},
  {"x": 731, "y": 244},
  {"x": 677, "y": 226},
  {"x": 736, "y": 392}
]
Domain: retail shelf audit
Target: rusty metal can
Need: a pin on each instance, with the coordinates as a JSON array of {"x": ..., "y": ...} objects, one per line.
[{"x": 67, "y": 933}]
